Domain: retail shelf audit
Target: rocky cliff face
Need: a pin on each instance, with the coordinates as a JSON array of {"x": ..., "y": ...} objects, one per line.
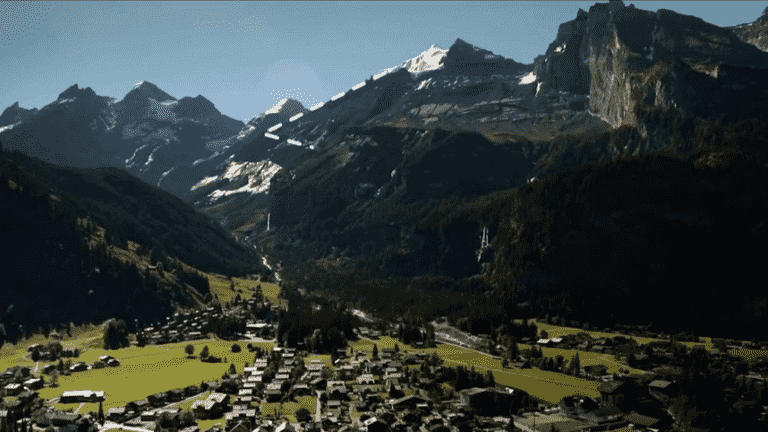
[
  {"x": 631, "y": 60},
  {"x": 756, "y": 32}
]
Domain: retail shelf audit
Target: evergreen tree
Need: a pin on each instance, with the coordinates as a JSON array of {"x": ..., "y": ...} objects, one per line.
[
  {"x": 101, "y": 412},
  {"x": 575, "y": 364},
  {"x": 205, "y": 352},
  {"x": 375, "y": 351}
]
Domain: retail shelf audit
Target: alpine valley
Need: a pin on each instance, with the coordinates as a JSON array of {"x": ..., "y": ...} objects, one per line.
[{"x": 621, "y": 177}]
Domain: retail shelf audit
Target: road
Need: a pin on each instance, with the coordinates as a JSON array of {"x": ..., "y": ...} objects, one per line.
[
  {"x": 318, "y": 411},
  {"x": 113, "y": 425}
]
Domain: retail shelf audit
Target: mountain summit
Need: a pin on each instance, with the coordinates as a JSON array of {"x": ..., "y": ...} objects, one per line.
[
  {"x": 429, "y": 60},
  {"x": 287, "y": 106},
  {"x": 148, "y": 90},
  {"x": 466, "y": 59}
]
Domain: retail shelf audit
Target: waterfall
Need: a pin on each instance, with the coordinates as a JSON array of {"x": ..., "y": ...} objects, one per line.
[{"x": 268, "y": 214}]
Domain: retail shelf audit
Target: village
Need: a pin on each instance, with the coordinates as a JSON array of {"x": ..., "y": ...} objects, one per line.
[{"x": 388, "y": 389}]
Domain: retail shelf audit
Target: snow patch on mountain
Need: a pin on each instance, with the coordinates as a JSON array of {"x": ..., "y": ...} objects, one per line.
[
  {"x": 529, "y": 78},
  {"x": 258, "y": 175},
  {"x": 429, "y": 60}
]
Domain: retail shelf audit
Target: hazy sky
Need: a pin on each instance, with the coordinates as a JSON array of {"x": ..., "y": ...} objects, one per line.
[{"x": 246, "y": 56}]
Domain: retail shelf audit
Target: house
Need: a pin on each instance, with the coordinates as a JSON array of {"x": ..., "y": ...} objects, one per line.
[
  {"x": 642, "y": 421},
  {"x": 601, "y": 414},
  {"x": 273, "y": 395},
  {"x": 116, "y": 414},
  {"x": 78, "y": 367},
  {"x": 48, "y": 369},
  {"x": 301, "y": 390},
  {"x": 407, "y": 402},
  {"x": 285, "y": 427},
  {"x": 77, "y": 396},
  {"x": 34, "y": 383},
  {"x": 63, "y": 418},
  {"x": 113, "y": 362},
  {"x": 595, "y": 371},
  {"x": 611, "y": 392},
  {"x": 375, "y": 425},
  {"x": 487, "y": 401},
  {"x": 661, "y": 389},
  {"x": 13, "y": 389},
  {"x": 212, "y": 407}
]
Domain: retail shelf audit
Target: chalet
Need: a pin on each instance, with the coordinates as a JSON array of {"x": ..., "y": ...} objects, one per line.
[
  {"x": 148, "y": 416},
  {"x": 661, "y": 389},
  {"x": 116, "y": 414},
  {"x": 48, "y": 369},
  {"x": 301, "y": 389},
  {"x": 113, "y": 362},
  {"x": 105, "y": 358},
  {"x": 211, "y": 407},
  {"x": 62, "y": 418},
  {"x": 601, "y": 414},
  {"x": 407, "y": 402},
  {"x": 641, "y": 421},
  {"x": 375, "y": 425},
  {"x": 78, "y": 367},
  {"x": 488, "y": 401},
  {"x": 77, "y": 396},
  {"x": 318, "y": 383},
  {"x": 611, "y": 392},
  {"x": 273, "y": 395},
  {"x": 34, "y": 383},
  {"x": 13, "y": 389}
]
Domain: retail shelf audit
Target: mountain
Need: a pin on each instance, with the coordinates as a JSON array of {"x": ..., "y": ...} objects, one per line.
[
  {"x": 464, "y": 170},
  {"x": 408, "y": 171},
  {"x": 148, "y": 132},
  {"x": 755, "y": 33},
  {"x": 60, "y": 266},
  {"x": 132, "y": 210},
  {"x": 14, "y": 114}
]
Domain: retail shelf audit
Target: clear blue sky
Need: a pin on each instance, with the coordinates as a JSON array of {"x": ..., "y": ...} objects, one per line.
[{"x": 246, "y": 56}]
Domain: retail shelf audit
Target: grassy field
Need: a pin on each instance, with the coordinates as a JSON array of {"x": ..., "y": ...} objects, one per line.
[
  {"x": 548, "y": 386},
  {"x": 289, "y": 409},
  {"x": 220, "y": 287},
  {"x": 559, "y": 331},
  {"x": 144, "y": 371}
]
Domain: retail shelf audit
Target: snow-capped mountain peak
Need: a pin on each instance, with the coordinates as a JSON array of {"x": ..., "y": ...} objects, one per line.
[
  {"x": 287, "y": 106},
  {"x": 429, "y": 60},
  {"x": 149, "y": 91}
]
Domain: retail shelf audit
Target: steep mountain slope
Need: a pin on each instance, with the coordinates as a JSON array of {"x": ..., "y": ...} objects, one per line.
[
  {"x": 58, "y": 266},
  {"x": 132, "y": 210}
]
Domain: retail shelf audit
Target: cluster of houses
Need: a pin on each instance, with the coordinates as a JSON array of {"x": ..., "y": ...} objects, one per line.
[
  {"x": 22, "y": 405},
  {"x": 189, "y": 326},
  {"x": 181, "y": 327}
]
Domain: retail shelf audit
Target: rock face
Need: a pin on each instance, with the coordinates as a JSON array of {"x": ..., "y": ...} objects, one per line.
[
  {"x": 756, "y": 32},
  {"x": 633, "y": 60}
]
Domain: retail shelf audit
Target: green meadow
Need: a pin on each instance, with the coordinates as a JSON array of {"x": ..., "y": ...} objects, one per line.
[
  {"x": 143, "y": 371},
  {"x": 220, "y": 287},
  {"x": 548, "y": 386}
]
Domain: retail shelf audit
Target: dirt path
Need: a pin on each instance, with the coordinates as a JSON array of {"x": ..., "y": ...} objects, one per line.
[{"x": 78, "y": 408}]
